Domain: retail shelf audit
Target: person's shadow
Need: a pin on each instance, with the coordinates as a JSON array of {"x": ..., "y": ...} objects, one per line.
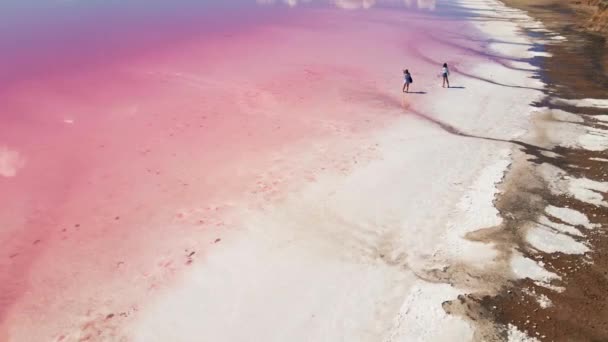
[
  {"x": 457, "y": 88},
  {"x": 415, "y": 92}
]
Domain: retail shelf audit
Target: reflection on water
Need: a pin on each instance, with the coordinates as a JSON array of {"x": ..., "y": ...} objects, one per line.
[
  {"x": 360, "y": 4},
  {"x": 43, "y": 37}
]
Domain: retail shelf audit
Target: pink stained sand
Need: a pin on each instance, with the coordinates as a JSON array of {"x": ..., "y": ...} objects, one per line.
[{"x": 116, "y": 171}]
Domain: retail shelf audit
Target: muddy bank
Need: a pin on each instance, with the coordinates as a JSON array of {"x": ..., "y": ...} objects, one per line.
[{"x": 579, "y": 64}]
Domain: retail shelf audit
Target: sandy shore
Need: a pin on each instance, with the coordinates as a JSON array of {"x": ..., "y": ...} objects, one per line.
[{"x": 316, "y": 202}]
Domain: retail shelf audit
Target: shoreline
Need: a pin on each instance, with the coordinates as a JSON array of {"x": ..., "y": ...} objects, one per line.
[{"x": 431, "y": 274}]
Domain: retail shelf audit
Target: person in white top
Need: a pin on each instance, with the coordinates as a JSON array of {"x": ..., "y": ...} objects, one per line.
[{"x": 445, "y": 72}]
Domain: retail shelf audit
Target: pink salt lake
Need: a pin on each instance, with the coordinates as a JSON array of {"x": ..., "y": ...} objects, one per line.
[{"x": 130, "y": 129}]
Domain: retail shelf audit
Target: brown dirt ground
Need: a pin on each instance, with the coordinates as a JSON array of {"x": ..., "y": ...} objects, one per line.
[{"x": 578, "y": 69}]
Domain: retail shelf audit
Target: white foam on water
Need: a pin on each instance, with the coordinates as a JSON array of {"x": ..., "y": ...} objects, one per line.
[{"x": 557, "y": 289}]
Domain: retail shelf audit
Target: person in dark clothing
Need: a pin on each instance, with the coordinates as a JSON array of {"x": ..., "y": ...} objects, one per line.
[{"x": 407, "y": 80}]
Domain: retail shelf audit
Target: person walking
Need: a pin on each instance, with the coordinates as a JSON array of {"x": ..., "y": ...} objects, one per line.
[
  {"x": 407, "y": 80},
  {"x": 445, "y": 72}
]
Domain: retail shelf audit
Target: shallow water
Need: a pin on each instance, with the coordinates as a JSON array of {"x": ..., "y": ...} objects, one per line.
[{"x": 38, "y": 38}]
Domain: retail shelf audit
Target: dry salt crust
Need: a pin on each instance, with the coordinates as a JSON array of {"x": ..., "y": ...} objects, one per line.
[
  {"x": 559, "y": 227},
  {"x": 548, "y": 241},
  {"x": 515, "y": 335},
  {"x": 543, "y": 301},
  {"x": 562, "y": 129},
  {"x": 593, "y": 103},
  {"x": 345, "y": 268},
  {"x": 570, "y": 216},
  {"x": 588, "y": 138},
  {"x": 588, "y": 191},
  {"x": 583, "y": 189},
  {"x": 524, "y": 267}
]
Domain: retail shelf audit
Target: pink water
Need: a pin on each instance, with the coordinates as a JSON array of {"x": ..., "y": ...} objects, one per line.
[{"x": 130, "y": 128}]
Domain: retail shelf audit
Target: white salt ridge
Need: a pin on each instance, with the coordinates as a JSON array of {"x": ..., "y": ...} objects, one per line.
[
  {"x": 588, "y": 191},
  {"x": 592, "y": 103},
  {"x": 523, "y": 267},
  {"x": 479, "y": 212},
  {"x": 514, "y": 335},
  {"x": 544, "y": 301},
  {"x": 594, "y": 140},
  {"x": 548, "y": 241},
  {"x": 560, "y": 227},
  {"x": 599, "y": 159},
  {"x": 570, "y": 216},
  {"x": 416, "y": 324},
  {"x": 558, "y": 289},
  {"x": 600, "y": 117}
]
